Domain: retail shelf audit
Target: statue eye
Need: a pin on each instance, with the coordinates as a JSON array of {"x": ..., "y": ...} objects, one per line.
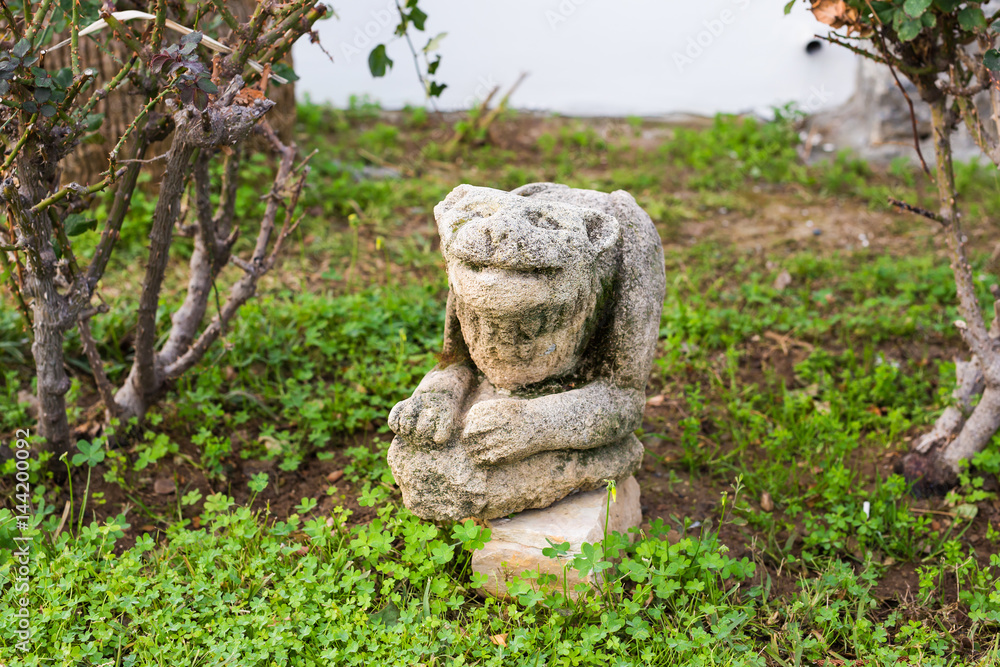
[
  {"x": 541, "y": 219},
  {"x": 481, "y": 209}
]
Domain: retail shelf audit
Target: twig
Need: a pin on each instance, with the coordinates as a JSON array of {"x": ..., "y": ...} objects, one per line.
[
  {"x": 156, "y": 39},
  {"x": 226, "y": 15},
  {"x": 10, "y": 19},
  {"x": 62, "y": 521},
  {"x": 74, "y": 36},
  {"x": 416, "y": 62},
  {"x": 113, "y": 223},
  {"x": 152, "y": 159},
  {"x": 37, "y": 20},
  {"x": 260, "y": 261},
  {"x": 850, "y": 47},
  {"x": 141, "y": 116},
  {"x": 118, "y": 19},
  {"x": 77, "y": 189},
  {"x": 21, "y": 303},
  {"x": 918, "y": 510},
  {"x": 930, "y": 215},
  {"x": 20, "y": 143},
  {"x": 906, "y": 96},
  {"x": 104, "y": 386}
]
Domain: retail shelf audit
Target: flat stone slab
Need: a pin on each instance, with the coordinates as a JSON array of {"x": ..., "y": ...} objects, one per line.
[{"x": 516, "y": 543}]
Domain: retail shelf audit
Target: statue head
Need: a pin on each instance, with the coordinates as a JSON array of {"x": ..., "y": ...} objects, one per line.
[{"x": 526, "y": 275}]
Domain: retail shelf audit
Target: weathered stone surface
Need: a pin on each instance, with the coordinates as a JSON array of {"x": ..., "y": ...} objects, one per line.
[
  {"x": 553, "y": 316},
  {"x": 516, "y": 544}
]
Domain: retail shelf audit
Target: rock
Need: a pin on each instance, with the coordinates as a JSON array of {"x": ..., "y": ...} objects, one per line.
[
  {"x": 551, "y": 326},
  {"x": 516, "y": 544},
  {"x": 164, "y": 486}
]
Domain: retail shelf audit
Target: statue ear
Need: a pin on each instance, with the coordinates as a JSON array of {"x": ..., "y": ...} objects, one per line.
[
  {"x": 532, "y": 189},
  {"x": 452, "y": 200},
  {"x": 445, "y": 230},
  {"x": 602, "y": 229}
]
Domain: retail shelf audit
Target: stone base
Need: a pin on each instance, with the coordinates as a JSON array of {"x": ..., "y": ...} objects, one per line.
[{"x": 516, "y": 544}]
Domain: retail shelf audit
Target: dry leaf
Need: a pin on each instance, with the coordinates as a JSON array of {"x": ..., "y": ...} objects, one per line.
[
  {"x": 656, "y": 400},
  {"x": 783, "y": 280},
  {"x": 334, "y": 476},
  {"x": 247, "y": 96},
  {"x": 499, "y": 640},
  {"x": 834, "y": 13}
]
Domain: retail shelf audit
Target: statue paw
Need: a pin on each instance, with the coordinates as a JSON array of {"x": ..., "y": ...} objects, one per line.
[{"x": 427, "y": 418}]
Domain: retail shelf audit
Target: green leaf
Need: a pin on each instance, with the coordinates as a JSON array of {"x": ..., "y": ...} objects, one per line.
[
  {"x": 258, "y": 482},
  {"x": 63, "y": 78},
  {"x": 947, "y": 5},
  {"x": 972, "y": 18},
  {"x": 909, "y": 29},
  {"x": 285, "y": 72},
  {"x": 77, "y": 223},
  {"x": 788, "y": 7},
  {"x": 434, "y": 42},
  {"x": 21, "y": 48},
  {"x": 916, "y": 8},
  {"x": 192, "y": 38},
  {"x": 48, "y": 110},
  {"x": 472, "y": 536},
  {"x": 886, "y": 12},
  {"x": 967, "y": 511},
  {"x": 418, "y": 17},
  {"x": 389, "y": 615},
  {"x": 378, "y": 61},
  {"x": 94, "y": 121},
  {"x": 208, "y": 86},
  {"x": 90, "y": 453},
  {"x": 555, "y": 550}
]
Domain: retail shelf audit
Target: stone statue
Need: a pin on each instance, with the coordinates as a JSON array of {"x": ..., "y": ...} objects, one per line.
[{"x": 552, "y": 320}]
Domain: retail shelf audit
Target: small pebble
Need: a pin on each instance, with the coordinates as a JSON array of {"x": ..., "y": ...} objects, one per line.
[
  {"x": 766, "y": 503},
  {"x": 164, "y": 486},
  {"x": 334, "y": 476}
]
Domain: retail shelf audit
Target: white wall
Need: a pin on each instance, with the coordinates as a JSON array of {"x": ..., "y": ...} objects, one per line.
[{"x": 588, "y": 57}]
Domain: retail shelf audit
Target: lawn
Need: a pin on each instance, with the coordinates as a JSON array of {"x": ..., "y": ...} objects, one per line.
[{"x": 806, "y": 340}]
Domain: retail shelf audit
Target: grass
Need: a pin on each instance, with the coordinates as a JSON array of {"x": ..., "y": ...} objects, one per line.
[{"x": 793, "y": 370}]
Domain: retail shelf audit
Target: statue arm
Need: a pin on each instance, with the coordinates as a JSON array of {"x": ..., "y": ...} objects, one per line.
[
  {"x": 429, "y": 417},
  {"x": 510, "y": 429}
]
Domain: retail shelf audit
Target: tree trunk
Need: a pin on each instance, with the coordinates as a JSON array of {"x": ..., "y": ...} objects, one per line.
[
  {"x": 49, "y": 308},
  {"x": 936, "y": 459}
]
